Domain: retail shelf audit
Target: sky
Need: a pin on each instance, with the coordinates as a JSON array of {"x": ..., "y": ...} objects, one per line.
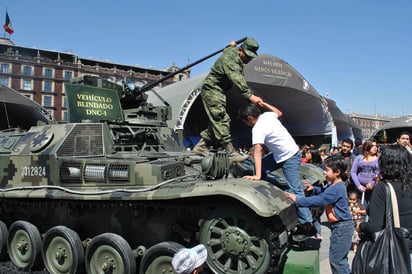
[{"x": 356, "y": 52}]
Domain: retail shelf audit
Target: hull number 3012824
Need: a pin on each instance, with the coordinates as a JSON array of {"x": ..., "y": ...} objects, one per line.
[{"x": 33, "y": 171}]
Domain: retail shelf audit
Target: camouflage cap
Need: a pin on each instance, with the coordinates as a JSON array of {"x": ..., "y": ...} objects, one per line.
[{"x": 250, "y": 47}]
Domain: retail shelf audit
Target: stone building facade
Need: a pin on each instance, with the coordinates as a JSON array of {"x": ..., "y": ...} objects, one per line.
[
  {"x": 368, "y": 123},
  {"x": 41, "y": 74}
]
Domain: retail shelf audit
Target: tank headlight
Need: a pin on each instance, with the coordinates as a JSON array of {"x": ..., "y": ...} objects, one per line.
[
  {"x": 71, "y": 172},
  {"x": 118, "y": 173},
  {"x": 74, "y": 172},
  {"x": 94, "y": 173}
]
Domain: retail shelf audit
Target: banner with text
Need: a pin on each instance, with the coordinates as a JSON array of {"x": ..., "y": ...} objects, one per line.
[{"x": 92, "y": 103}]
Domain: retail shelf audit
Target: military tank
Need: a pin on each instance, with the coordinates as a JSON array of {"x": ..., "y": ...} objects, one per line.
[{"x": 118, "y": 193}]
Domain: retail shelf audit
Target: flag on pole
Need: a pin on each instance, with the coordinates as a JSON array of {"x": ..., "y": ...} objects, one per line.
[{"x": 7, "y": 25}]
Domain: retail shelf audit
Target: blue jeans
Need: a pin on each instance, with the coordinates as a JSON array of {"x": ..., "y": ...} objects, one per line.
[
  {"x": 290, "y": 169},
  {"x": 340, "y": 243},
  {"x": 317, "y": 226}
]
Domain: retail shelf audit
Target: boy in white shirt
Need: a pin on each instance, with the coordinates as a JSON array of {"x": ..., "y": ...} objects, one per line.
[{"x": 267, "y": 130}]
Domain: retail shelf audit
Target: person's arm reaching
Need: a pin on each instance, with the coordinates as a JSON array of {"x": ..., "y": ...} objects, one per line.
[
  {"x": 271, "y": 108},
  {"x": 257, "y": 155}
]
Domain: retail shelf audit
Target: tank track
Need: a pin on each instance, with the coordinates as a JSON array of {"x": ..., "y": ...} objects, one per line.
[
  {"x": 275, "y": 234},
  {"x": 277, "y": 251}
]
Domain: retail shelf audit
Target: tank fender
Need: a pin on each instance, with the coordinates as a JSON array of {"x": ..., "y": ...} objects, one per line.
[{"x": 262, "y": 197}]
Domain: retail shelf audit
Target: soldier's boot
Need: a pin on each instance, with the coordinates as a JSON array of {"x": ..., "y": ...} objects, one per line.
[
  {"x": 235, "y": 156},
  {"x": 201, "y": 148}
]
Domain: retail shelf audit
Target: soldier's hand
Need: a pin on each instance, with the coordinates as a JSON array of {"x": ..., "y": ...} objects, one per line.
[
  {"x": 256, "y": 100},
  {"x": 233, "y": 43}
]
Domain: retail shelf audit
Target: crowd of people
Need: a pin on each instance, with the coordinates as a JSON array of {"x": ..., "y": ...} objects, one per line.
[
  {"x": 356, "y": 173},
  {"x": 366, "y": 164}
]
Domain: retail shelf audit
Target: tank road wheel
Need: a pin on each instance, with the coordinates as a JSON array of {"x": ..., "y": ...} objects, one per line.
[
  {"x": 24, "y": 245},
  {"x": 110, "y": 253},
  {"x": 158, "y": 258},
  {"x": 62, "y": 250},
  {"x": 3, "y": 240},
  {"x": 235, "y": 242}
]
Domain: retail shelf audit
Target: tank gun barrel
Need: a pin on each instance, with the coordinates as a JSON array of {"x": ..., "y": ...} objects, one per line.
[{"x": 155, "y": 83}]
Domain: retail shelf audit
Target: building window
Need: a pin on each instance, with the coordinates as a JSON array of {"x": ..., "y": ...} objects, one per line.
[
  {"x": 5, "y": 68},
  {"x": 4, "y": 81},
  {"x": 64, "y": 105},
  {"x": 47, "y": 100},
  {"x": 48, "y": 86},
  {"x": 26, "y": 85},
  {"x": 48, "y": 73},
  {"x": 65, "y": 117},
  {"x": 27, "y": 70},
  {"x": 68, "y": 75}
]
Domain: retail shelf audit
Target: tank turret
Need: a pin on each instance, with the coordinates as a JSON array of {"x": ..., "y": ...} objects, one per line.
[{"x": 114, "y": 191}]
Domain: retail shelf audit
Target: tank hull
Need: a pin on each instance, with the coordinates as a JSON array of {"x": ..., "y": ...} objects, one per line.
[
  {"x": 122, "y": 197},
  {"x": 136, "y": 216}
]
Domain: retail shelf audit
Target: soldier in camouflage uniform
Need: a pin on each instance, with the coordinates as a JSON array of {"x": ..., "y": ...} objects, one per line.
[{"x": 226, "y": 72}]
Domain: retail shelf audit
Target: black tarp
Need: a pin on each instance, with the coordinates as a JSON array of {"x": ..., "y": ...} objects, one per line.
[
  {"x": 389, "y": 132},
  {"x": 305, "y": 113},
  {"x": 18, "y": 111},
  {"x": 276, "y": 81},
  {"x": 345, "y": 126}
]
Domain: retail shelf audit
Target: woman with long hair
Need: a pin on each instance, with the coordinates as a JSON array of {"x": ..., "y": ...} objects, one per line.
[
  {"x": 365, "y": 170},
  {"x": 313, "y": 157},
  {"x": 395, "y": 163}
]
